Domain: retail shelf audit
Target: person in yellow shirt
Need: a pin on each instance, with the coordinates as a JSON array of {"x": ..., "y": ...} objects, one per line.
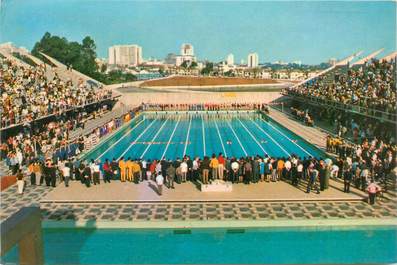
[
  {"x": 214, "y": 163},
  {"x": 32, "y": 173},
  {"x": 137, "y": 172},
  {"x": 37, "y": 171},
  {"x": 130, "y": 169},
  {"x": 280, "y": 168},
  {"x": 122, "y": 166}
]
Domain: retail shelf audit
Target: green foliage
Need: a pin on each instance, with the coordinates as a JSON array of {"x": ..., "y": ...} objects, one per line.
[
  {"x": 209, "y": 68},
  {"x": 193, "y": 65},
  {"x": 185, "y": 64},
  {"x": 81, "y": 56},
  {"x": 103, "y": 68},
  {"x": 229, "y": 73},
  {"x": 117, "y": 76}
]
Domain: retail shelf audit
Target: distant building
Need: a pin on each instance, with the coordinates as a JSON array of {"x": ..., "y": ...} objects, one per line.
[
  {"x": 125, "y": 55},
  {"x": 187, "y": 55},
  {"x": 224, "y": 67},
  {"x": 170, "y": 59},
  {"x": 332, "y": 61},
  {"x": 298, "y": 62},
  {"x": 297, "y": 75},
  {"x": 280, "y": 63},
  {"x": 230, "y": 59},
  {"x": 253, "y": 60},
  {"x": 187, "y": 49}
]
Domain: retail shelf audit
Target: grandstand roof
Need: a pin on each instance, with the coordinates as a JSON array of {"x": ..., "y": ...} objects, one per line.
[
  {"x": 367, "y": 58},
  {"x": 390, "y": 56}
]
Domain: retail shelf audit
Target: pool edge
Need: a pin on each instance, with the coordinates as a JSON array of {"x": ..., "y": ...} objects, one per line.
[{"x": 219, "y": 223}]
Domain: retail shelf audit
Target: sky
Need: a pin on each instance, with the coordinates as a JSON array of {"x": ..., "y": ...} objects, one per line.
[{"x": 309, "y": 31}]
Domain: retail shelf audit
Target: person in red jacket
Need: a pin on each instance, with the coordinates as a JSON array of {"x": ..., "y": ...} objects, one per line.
[
  {"x": 221, "y": 166},
  {"x": 107, "y": 170}
]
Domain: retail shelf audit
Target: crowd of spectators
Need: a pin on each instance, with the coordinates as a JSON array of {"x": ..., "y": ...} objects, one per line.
[
  {"x": 28, "y": 94},
  {"x": 302, "y": 116},
  {"x": 369, "y": 160},
  {"x": 352, "y": 126},
  {"x": 245, "y": 170},
  {"x": 365, "y": 166},
  {"x": 372, "y": 85},
  {"x": 51, "y": 140}
]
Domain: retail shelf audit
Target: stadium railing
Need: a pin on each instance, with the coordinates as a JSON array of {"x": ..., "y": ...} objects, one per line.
[
  {"x": 369, "y": 112},
  {"x": 20, "y": 120}
]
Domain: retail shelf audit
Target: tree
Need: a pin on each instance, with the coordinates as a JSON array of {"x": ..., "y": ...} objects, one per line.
[
  {"x": 229, "y": 73},
  {"x": 193, "y": 65},
  {"x": 185, "y": 64},
  {"x": 209, "y": 68},
  {"x": 81, "y": 56}
]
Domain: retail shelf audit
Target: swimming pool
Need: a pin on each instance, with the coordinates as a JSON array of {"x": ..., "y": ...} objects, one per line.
[
  {"x": 172, "y": 135},
  {"x": 337, "y": 245}
]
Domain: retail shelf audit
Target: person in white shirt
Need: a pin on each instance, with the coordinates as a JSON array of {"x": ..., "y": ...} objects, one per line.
[
  {"x": 66, "y": 174},
  {"x": 158, "y": 168},
  {"x": 195, "y": 168},
  {"x": 160, "y": 182},
  {"x": 299, "y": 172},
  {"x": 287, "y": 166},
  {"x": 97, "y": 172},
  {"x": 334, "y": 171},
  {"x": 235, "y": 166},
  {"x": 144, "y": 168},
  {"x": 184, "y": 170}
]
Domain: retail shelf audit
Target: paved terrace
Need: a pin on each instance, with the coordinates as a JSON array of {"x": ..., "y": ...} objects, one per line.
[
  {"x": 311, "y": 134},
  {"x": 117, "y": 191}
]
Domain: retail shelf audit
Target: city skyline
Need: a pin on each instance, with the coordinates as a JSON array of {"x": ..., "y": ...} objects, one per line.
[{"x": 277, "y": 31}]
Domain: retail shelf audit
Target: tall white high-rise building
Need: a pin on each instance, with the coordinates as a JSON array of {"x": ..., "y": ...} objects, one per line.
[
  {"x": 125, "y": 55},
  {"x": 230, "y": 59},
  {"x": 253, "y": 60},
  {"x": 187, "y": 49}
]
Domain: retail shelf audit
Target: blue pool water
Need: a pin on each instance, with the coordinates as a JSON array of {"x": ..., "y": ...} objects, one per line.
[
  {"x": 156, "y": 136},
  {"x": 335, "y": 245}
]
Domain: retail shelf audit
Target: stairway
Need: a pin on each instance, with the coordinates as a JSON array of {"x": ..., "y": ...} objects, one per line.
[
  {"x": 92, "y": 124},
  {"x": 73, "y": 75}
]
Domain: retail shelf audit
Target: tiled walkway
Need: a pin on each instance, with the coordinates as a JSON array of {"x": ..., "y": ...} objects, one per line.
[
  {"x": 216, "y": 211},
  {"x": 157, "y": 212},
  {"x": 11, "y": 201}
]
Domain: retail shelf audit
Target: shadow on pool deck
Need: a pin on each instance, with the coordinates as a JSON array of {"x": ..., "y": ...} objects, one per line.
[{"x": 189, "y": 192}]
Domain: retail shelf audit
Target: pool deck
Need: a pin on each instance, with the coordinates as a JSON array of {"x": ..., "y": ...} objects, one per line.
[
  {"x": 311, "y": 134},
  {"x": 117, "y": 191}
]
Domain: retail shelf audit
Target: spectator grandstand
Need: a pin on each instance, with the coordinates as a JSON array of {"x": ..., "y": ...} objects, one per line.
[
  {"x": 357, "y": 101},
  {"x": 369, "y": 89},
  {"x": 27, "y": 94},
  {"x": 45, "y": 111}
]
